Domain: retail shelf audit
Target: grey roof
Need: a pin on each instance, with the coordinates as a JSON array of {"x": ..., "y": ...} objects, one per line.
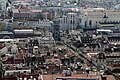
[{"x": 5, "y": 32}]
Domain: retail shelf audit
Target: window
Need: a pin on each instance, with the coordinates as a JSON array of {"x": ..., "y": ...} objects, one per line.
[
  {"x": 90, "y": 22},
  {"x": 85, "y": 23},
  {"x": 70, "y": 21},
  {"x": 80, "y": 20}
]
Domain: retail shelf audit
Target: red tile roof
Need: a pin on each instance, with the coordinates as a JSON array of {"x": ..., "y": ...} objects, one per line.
[{"x": 8, "y": 78}]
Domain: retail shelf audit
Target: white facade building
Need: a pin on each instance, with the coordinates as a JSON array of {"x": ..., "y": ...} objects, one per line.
[
  {"x": 45, "y": 23},
  {"x": 92, "y": 17},
  {"x": 3, "y": 4},
  {"x": 46, "y": 39}
]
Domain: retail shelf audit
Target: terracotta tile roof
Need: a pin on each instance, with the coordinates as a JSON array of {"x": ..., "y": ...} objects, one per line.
[
  {"x": 2, "y": 45},
  {"x": 54, "y": 76},
  {"x": 116, "y": 65},
  {"x": 112, "y": 56},
  {"x": 110, "y": 77},
  {"x": 8, "y": 61},
  {"x": 18, "y": 61},
  {"x": 8, "y": 78},
  {"x": 28, "y": 76},
  {"x": 37, "y": 59},
  {"x": 53, "y": 60},
  {"x": 69, "y": 53},
  {"x": 51, "y": 77}
]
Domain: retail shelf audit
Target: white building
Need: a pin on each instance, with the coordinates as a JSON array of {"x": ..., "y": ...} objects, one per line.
[
  {"x": 3, "y": 4},
  {"x": 46, "y": 39},
  {"x": 69, "y": 21},
  {"x": 93, "y": 17},
  {"x": 45, "y": 23}
]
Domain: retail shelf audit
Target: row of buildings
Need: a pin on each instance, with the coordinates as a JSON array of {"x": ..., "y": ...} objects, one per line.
[
  {"x": 69, "y": 17},
  {"x": 75, "y": 18}
]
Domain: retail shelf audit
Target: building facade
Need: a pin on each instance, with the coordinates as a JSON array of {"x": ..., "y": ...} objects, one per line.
[
  {"x": 69, "y": 21},
  {"x": 56, "y": 30},
  {"x": 100, "y": 17}
]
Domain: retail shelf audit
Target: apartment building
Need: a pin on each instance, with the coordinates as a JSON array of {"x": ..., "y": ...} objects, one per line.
[{"x": 26, "y": 14}]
